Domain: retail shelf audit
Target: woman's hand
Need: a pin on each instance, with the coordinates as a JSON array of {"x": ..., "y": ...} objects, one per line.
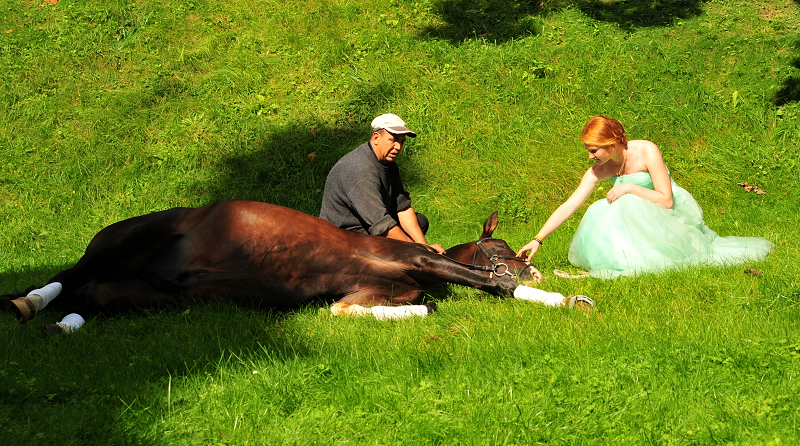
[
  {"x": 532, "y": 246},
  {"x": 617, "y": 191}
]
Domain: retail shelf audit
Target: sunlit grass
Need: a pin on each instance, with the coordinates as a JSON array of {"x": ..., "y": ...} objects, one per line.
[{"x": 112, "y": 110}]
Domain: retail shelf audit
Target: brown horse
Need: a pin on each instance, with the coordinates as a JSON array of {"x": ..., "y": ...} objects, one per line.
[{"x": 244, "y": 250}]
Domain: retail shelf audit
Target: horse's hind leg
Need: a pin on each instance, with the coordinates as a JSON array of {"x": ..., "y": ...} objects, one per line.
[
  {"x": 25, "y": 308},
  {"x": 65, "y": 282},
  {"x": 120, "y": 295},
  {"x": 69, "y": 323},
  {"x": 116, "y": 253}
]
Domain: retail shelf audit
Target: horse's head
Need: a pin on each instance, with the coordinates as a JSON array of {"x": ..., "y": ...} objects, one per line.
[{"x": 494, "y": 256}]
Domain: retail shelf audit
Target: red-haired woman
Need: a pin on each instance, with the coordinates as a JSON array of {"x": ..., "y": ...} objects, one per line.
[{"x": 646, "y": 223}]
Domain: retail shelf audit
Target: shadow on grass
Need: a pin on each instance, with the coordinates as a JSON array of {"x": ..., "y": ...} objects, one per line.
[
  {"x": 790, "y": 90},
  {"x": 288, "y": 166},
  {"x": 18, "y": 283},
  {"x": 494, "y": 20},
  {"x": 110, "y": 382},
  {"x": 631, "y": 14},
  {"x": 500, "y": 21}
]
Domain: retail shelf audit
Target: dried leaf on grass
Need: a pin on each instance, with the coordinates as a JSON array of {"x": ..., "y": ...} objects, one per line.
[{"x": 751, "y": 188}]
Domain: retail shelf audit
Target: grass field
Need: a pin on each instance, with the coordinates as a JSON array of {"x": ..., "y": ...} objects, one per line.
[{"x": 119, "y": 108}]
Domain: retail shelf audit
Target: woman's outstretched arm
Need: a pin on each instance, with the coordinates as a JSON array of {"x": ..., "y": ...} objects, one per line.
[{"x": 560, "y": 215}]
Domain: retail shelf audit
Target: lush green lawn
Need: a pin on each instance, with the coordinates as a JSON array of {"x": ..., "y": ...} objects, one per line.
[{"x": 115, "y": 109}]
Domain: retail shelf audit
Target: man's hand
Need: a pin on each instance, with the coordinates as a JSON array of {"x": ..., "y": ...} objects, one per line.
[{"x": 437, "y": 248}]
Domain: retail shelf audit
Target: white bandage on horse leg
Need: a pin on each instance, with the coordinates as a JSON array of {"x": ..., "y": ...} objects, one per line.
[
  {"x": 72, "y": 321},
  {"x": 43, "y": 296},
  {"x": 344, "y": 309},
  {"x": 383, "y": 313},
  {"x": 536, "y": 295}
]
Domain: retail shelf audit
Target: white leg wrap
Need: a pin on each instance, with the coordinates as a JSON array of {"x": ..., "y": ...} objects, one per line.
[
  {"x": 342, "y": 309},
  {"x": 358, "y": 310},
  {"x": 72, "y": 321},
  {"x": 43, "y": 296},
  {"x": 550, "y": 299},
  {"x": 383, "y": 313}
]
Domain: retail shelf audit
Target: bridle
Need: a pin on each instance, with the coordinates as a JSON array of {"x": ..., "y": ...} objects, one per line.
[{"x": 498, "y": 269}]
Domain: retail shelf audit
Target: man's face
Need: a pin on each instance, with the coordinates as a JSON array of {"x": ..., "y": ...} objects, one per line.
[{"x": 386, "y": 145}]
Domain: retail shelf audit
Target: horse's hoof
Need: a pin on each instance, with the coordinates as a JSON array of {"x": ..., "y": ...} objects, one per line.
[
  {"x": 23, "y": 309},
  {"x": 55, "y": 330},
  {"x": 583, "y": 303},
  {"x": 431, "y": 306}
]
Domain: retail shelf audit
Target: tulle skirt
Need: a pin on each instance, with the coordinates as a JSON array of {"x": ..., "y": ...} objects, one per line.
[{"x": 633, "y": 236}]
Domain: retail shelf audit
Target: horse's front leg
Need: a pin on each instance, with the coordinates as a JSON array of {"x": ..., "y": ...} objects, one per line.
[
  {"x": 444, "y": 270},
  {"x": 366, "y": 302}
]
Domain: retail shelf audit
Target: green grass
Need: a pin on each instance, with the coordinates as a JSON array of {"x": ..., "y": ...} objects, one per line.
[{"x": 115, "y": 109}]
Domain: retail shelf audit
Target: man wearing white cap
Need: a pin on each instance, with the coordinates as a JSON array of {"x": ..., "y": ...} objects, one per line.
[{"x": 364, "y": 192}]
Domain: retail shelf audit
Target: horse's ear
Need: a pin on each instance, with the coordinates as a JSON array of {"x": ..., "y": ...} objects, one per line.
[{"x": 489, "y": 225}]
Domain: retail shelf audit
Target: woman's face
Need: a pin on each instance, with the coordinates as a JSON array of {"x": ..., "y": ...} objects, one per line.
[{"x": 600, "y": 154}]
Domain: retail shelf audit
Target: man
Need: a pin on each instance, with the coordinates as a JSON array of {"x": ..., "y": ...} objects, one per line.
[{"x": 364, "y": 193}]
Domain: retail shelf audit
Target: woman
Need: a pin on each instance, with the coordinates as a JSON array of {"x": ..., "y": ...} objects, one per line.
[{"x": 647, "y": 222}]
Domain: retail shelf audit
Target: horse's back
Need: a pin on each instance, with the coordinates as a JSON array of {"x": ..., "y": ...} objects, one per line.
[{"x": 248, "y": 248}]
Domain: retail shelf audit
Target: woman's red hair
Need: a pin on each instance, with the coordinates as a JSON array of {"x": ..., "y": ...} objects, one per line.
[{"x": 602, "y": 131}]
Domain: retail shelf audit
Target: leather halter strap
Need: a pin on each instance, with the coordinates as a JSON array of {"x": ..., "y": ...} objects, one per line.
[{"x": 498, "y": 269}]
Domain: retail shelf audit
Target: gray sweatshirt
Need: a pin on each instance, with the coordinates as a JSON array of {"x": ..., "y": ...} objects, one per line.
[{"x": 363, "y": 195}]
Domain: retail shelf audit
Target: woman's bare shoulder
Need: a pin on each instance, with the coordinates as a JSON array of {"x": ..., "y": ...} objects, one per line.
[
  {"x": 643, "y": 145},
  {"x": 643, "y": 149}
]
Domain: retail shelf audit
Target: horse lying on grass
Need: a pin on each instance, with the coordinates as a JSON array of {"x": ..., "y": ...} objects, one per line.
[{"x": 244, "y": 250}]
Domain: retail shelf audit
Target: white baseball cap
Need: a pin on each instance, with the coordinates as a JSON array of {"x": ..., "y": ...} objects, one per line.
[{"x": 392, "y": 124}]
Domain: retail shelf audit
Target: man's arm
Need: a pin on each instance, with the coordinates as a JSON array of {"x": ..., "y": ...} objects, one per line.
[
  {"x": 397, "y": 233},
  {"x": 409, "y": 225}
]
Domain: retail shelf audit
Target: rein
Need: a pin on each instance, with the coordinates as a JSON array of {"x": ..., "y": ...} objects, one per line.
[{"x": 498, "y": 269}]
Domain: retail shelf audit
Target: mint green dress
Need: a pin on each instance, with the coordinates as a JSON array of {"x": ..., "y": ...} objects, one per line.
[{"x": 633, "y": 235}]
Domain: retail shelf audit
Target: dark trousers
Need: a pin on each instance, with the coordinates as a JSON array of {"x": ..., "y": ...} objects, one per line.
[{"x": 423, "y": 223}]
